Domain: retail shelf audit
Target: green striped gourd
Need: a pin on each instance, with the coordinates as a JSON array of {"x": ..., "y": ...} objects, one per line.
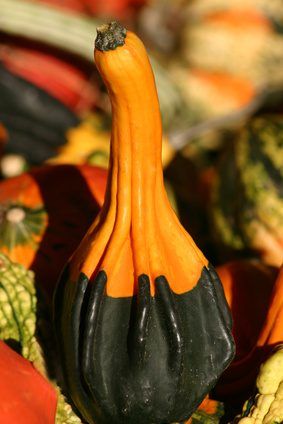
[{"x": 247, "y": 208}]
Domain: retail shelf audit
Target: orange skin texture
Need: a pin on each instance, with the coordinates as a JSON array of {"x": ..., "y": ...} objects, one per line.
[
  {"x": 21, "y": 189},
  {"x": 26, "y": 397},
  {"x": 71, "y": 197},
  {"x": 23, "y": 254},
  {"x": 239, "y": 89},
  {"x": 254, "y": 293},
  {"x": 25, "y": 189},
  {"x": 137, "y": 231},
  {"x": 209, "y": 406},
  {"x": 241, "y": 19}
]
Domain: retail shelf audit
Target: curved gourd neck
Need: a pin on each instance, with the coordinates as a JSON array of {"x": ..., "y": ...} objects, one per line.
[
  {"x": 137, "y": 233},
  {"x": 135, "y": 158},
  {"x": 136, "y": 141}
]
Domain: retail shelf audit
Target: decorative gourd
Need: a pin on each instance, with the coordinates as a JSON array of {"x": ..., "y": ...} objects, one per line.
[
  {"x": 247, "y": 207},
  {"x": 193, "y": 31},
  {"x": 22, "y": 320},
  {"x": 26, "y": 396},
  {"x": 241, "y": 279},
  {"x": 20, "y": 315},
  {"x": 42, "y": 220},
  {"x": 52, "y": 28},
  {"x": 35, "y": 128},
  {"x": 270, "y": 8},
  {"x": 229, "y": 92},
  {"x": 266, "y": 406},
  {"x": 259, "y": 292},
  {"x": 225, "y": 31},
  {"x": 89, "y": 143},
  {"x": 66, "y": 82},
  {"x": 138, "y": 308},
  {"x": 209, "y": 412},
  {"x": 89, "y": 137}
]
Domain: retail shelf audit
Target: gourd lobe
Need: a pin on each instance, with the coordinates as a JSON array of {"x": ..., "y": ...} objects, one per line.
[{"x": 142, "y": 323}]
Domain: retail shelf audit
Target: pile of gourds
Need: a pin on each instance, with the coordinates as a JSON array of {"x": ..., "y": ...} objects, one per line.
[
  {"x": 225, "y": 51},
  {"x": 109, "y": 311}
]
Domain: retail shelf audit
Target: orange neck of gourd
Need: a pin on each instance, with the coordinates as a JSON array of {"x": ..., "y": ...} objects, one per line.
[
  {"x": 135, "y": 160},
  {"x": 137, "y": 232}
]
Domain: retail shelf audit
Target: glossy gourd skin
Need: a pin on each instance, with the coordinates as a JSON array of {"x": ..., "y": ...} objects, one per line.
[
  {"x": 24, "y": 392},
  {"x": 258, "y": 291},
  {"x": 142, "y": 323},
  {"x": 241, "y": 279}
]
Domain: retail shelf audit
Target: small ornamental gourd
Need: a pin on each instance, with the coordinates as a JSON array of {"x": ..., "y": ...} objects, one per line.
[
  {"x": 35, "y": 129},
  {"x": 247, "y": 201},
  {"x": 42, "y": 222},
  {"x": 27, "y": 386},
  {"x": 26, "y": 397},
  {"x": 241, "y": 279},
  {"x": 266, "y": 406},
  {"x": 142, "y": 323},
  {"x": 225, "y": 29},
  {"x": 259, "y": 292}
]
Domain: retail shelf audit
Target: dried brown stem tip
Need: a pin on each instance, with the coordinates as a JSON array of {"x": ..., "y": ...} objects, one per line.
[{"x": 110, "y": 36}]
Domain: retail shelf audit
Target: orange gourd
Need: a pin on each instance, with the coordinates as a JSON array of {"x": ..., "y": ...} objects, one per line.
[
  {"x": 254, "y": 292},
  {"x": 138, "y": 306},
  {"x": 227, "y": 88},
  {"x": 26, "y": 397},
  {"x": 44, "y": 214},
  {"x": 243, "y": 19}
]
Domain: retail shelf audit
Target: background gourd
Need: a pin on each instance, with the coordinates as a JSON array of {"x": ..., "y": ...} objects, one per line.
[
  {"x": 258, "y": 323},
  {"x": 266, "y": 406},
  {"x": 19, "y": 376},
  {"x": 247, "y": 207},
  {"x": 40, "y": 226}
]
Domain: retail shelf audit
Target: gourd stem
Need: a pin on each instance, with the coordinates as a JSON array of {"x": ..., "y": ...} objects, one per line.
[{"x": 110, "y": 36}]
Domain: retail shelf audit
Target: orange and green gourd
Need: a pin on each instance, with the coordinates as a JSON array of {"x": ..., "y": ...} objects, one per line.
[
  {"x": 42, "y": 221},
  {"x": 209, "y": 412},
  {"x": 225, "y": 29},
  {"x": 142, "y": 323}
]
